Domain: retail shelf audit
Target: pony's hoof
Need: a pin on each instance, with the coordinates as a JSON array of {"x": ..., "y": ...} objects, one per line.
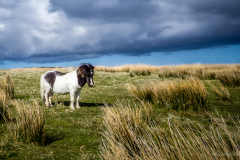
[
  {"x": 72, "y": 108},
  {"x": 78, "y": 107}
]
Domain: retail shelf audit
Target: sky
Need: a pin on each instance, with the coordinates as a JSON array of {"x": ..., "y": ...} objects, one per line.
[{"x": 50, "y": 33}]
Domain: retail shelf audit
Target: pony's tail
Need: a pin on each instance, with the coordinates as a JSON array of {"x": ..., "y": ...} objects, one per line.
[{"x": 42, "y": 88}]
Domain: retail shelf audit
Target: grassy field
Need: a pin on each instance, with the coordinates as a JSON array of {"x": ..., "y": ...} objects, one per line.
[{"x": 78, "y": 134}]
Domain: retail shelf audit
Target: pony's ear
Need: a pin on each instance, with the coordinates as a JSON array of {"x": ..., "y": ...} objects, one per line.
[
  {"x": 86, "y": 68},
  {"x": 91, "y": 66}
]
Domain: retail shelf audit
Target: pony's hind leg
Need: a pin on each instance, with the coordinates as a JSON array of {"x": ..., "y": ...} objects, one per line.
[
  {"x": 50, "y": 98},
  {"x": 46, "y": 94}
]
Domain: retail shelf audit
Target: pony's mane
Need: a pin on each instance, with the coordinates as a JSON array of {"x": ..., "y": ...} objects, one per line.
[{"x": 86, "y": 65}]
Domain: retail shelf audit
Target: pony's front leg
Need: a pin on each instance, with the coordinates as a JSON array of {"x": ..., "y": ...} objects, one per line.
[
  {"x": 72, "y": 101},
  {"x": 77, "y": 99}
]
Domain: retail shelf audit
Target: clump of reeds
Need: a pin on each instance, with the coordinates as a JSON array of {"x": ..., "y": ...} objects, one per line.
[
  {"x": 6, "y": 94},
  {"x": 229, "y": 77},
  {"x": 175, "y": 94},
  {"x": 133, "y": 114},
  {"x": 4, "y": 101},
  {"x": 27, "y": 123},
  {"x": 7, "y": 85},
  {"x": 221, "y": 92},
  {"x": 143, "y": 140},
  {"x": 142, "y": 92},
  {"x": 120, "y": 120}
]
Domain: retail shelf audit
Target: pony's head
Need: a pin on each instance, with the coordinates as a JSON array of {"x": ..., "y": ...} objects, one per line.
[{"x": 85, "y": 74}]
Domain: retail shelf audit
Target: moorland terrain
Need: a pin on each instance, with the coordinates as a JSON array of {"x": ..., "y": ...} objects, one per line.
[{"x": 131, "y": 112}]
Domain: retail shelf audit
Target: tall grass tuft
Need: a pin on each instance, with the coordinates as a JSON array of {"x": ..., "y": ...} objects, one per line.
[
  {"x": 221, "y": 92},
  {"x": 229, "y": 77},
  {"x": 176, "y": 94},
  {"x": 123, "y": 124},
  {"x": 28, "y": 124},
  {"x": 128, "y": 137},
  {"x": 4, "y": 102},
  {"x": 7, "y": 85},
  {"x": 6, "y": 94}
]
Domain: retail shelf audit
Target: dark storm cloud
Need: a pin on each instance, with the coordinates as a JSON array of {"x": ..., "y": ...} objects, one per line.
[
  {"x": 60, "y": 30},
  {"x": 107, "y": 10}
]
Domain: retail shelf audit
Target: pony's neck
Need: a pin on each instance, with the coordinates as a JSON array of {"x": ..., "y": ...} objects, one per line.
[{"x": 81, "y": 80}]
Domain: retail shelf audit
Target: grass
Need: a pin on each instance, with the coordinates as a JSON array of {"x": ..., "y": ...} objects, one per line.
[
  {"x": 131, "y": 136},
  {"x": 229, "y": 77},
  {"x": 78, "y": 134},
  {"x": 7, "y": 85},
  {"x": 202, "y": 71},
  {"x": 26, "y": 124},
  {"x": 4, "y": 101},
  {"x": 178, "y": 94},
  {"x": 123, "y": 125},
  {"x": 6, "y": 94},
  {"x": 221, "y": 92}
]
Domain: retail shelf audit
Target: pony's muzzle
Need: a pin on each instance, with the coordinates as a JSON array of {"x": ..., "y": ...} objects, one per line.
[{"x": 91, "y": 84}]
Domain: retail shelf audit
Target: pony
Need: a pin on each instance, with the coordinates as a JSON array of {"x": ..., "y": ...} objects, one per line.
[{"x": 66, "y": 83}]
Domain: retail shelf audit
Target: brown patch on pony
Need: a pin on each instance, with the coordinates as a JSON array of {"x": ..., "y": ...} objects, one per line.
[{"x": 50, "y": 77}]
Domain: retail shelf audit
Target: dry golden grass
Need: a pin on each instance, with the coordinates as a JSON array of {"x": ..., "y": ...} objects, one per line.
[
  {"x": 7, "y": 85},
  {"x": 135, "y": 69},
  {"x": 221, "y": 92},
  {"x": 27, "y": 123},
  {"x": 127, "y": 138},
  {"x": 6, "y": 94},
  {"x": 4, "y": 102},
  {"x": 197, "y": 70},
  {"x": 176, "y": 94},
  {"x": 229, "y": 77},
  {"x": 63, "y": 69},
  {"x": 202, "y": 71},
  {"x": 119, "y": 121}
]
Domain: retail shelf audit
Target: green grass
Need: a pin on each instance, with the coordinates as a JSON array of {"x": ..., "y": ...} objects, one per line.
[{"x": 77, "y": 134}]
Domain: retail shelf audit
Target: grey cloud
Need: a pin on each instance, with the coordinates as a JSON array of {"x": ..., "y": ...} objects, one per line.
[
  {"x": 228, "y": 8},
  {"x": 108, "y": 11},
  {"x": 9, "y": 4},
  {"x": 59, "y": 30}
]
